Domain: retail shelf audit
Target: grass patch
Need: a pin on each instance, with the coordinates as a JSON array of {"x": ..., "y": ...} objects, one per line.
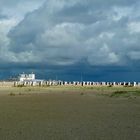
[
  {"x": 81, "y": 93},
  {"x": 119, "y": 94},
  {"x": 137, "y": 93},
  {"x": 29, "y": 89},
  {"x": 20, "y": 86},
  {"x": 125, "y": 93},
  {"x": 12, "y": 94},
  {"x": 20, "y": 93}
]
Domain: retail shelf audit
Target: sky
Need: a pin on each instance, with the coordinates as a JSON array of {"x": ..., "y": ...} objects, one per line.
[{"x": 95, "y": 40}]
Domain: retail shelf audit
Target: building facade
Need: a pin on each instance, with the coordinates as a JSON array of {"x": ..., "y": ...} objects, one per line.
[{"x": 26, "y": 77}]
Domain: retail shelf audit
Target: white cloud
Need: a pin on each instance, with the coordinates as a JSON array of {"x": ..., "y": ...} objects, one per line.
[
  {"x": 66, "y": 32},
  {"x": 109, "y": 35},
  {"x": 5, "y": 26},
  {"x": 134, "y": 27},
  {"x": 121, "y": 12}
]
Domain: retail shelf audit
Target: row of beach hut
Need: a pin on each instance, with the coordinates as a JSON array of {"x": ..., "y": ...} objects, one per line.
[{"x": 74, "y": 83}]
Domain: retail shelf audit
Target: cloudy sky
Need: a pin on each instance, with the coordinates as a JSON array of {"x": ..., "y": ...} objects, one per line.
[{"x": 98, "y": 39}]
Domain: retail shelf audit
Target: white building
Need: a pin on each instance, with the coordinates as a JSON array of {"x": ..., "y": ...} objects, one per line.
[{"x": 26, "y": 77}]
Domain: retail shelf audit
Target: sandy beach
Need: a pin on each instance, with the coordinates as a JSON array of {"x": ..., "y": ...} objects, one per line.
[{"x": 57, "y": 113}]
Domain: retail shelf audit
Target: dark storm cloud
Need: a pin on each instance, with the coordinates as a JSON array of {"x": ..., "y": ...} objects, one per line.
[
  {"x": 99, "y": 31},
  {"x": 77, "y": 34},
  {"x": 3, "y": 16},
  {"x": 10, "y": 3}
]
